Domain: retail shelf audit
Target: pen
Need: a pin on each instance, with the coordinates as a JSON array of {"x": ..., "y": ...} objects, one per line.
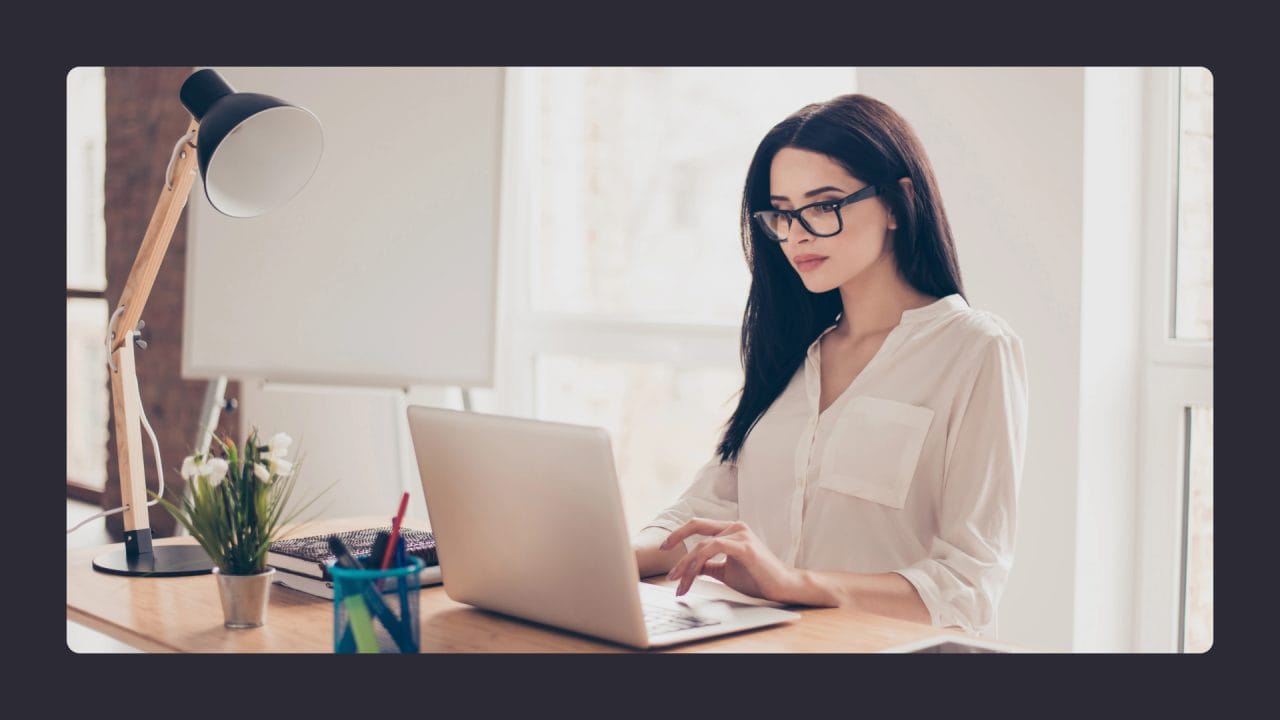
[
  {"x": 379, "y": 547},
  {"x": 342, "y": 555},
  {"x": 395, "y": 531},
  {"x": 361, "y": 625},
  {"x": 406, "y": 617},
  {"x": 378, "y": 550},
  {"x": 359, "y": 630}
]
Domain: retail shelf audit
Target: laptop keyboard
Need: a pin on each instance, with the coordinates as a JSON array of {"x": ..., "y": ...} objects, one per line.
[{"x": 659, "y": 620}]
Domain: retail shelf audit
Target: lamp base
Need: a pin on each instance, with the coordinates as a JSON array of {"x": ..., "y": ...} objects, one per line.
[{"x": 162, "y": 561}]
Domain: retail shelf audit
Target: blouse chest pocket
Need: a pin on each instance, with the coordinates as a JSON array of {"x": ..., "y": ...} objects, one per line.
[{"x": 873, "y": 449}]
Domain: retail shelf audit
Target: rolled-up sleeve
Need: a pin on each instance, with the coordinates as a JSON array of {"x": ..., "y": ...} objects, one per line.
[
  {"x": 964, "y": 576},
  {"x": 713, "y": 494}
]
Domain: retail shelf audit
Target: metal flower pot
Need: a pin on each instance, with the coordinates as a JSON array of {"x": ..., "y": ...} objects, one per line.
[{"x": 244, "y": 597}]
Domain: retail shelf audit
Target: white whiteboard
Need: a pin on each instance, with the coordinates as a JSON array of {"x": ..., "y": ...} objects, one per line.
[{"x": 383, "y": 270}]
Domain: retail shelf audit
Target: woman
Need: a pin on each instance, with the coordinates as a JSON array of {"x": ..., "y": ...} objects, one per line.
[{"x": 874, "y": 457}]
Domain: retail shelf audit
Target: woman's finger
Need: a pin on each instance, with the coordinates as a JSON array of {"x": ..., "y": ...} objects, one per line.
[
  {"x": 703, "y": 555},
  {"x": 683, "y": 564},
  {"x": 715, "y": 569},
  {"x": 696, "y": 526},
  {"x": 733, "y": 531},
  {"x": 682, "y": 567}
]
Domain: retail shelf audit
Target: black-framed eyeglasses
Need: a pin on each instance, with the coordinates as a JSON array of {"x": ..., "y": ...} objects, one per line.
[{"x": 822, "y": 219}]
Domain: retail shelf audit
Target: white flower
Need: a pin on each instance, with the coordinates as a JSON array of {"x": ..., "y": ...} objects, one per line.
[
  {"x": 277, "y": 448},
  {"x": 261, "y": 472},
  {"x": 278, "y": 445},
  {"x": 281, "y": 467},
  {"x": 216, "y": 470},
  {"x": 198, "y": 466}
]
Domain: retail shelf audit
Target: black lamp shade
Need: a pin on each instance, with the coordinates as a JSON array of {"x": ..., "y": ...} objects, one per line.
[{"x": 255, "y": 151}]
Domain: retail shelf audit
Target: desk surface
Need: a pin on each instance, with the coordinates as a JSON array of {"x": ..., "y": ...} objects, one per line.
[{"x": 183, "y": 614}]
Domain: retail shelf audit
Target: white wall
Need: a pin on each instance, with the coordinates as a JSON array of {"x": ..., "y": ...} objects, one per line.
[{"x": 1110, "y": 356}]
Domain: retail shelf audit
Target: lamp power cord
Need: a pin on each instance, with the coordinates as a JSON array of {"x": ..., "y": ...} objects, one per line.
[
  {"x": 168, "y": 171},
  {"x": 155, "y": 444}
]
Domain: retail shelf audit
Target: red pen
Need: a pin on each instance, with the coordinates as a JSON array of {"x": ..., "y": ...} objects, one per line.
[{"x": 395, "y": 531}]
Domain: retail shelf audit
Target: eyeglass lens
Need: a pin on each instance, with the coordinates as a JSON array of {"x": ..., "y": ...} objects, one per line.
[{"x": 820, "y": 220}]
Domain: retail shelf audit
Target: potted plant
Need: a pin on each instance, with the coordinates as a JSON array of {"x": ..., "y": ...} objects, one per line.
[{"x": 235, "y": 506}]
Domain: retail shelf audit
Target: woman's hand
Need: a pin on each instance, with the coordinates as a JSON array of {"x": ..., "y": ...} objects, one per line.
[{"x": 749, "y": 567}]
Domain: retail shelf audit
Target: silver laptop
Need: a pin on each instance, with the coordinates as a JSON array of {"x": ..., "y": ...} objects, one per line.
[{"x": 528, "y": 522}]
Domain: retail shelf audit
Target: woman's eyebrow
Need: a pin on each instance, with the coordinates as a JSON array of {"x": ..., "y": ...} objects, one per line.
[{"x": 811, "y": 193}]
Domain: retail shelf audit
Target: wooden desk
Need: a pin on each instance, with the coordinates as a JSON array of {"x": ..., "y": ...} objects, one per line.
[{"x": 183, "y": 614}]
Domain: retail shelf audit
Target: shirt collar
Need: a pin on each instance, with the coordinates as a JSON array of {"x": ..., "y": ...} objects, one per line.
[
  {"x": 942, "y": 306},
  {"x": 813, "y": 346},
  {"x": 937, "y": 308}
]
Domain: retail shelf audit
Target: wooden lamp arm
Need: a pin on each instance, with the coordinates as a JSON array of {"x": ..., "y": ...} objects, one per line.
[{"x": 173, "y": 198}]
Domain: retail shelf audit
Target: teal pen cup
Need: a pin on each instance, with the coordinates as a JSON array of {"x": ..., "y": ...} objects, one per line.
[{"x": 376, "y": 611}]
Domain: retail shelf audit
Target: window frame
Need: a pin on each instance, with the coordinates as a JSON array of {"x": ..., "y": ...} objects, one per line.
[
  {"x": 1175, "y": 374},
  {"x": 1163, "y": 97},
  {"x": 527, "y": 332},
  {"x": 77, "y": 489}
]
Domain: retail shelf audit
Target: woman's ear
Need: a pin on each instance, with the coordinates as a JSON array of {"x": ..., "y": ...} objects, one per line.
[{"x": 906, "y": 190}]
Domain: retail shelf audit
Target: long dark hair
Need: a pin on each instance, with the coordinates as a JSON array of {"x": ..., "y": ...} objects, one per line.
[{"x": 782, "y": 318}]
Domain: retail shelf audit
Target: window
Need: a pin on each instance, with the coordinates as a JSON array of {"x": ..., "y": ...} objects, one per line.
[
  {"x": 1197, "y": 598},
  {"x": 87, "y": 393},
  {"x": 1174, "y": 607},
  {"x": 1193, "y": 319},
  {"x": 627, "y": 289},
  {"x": 1193, "y": 287}
]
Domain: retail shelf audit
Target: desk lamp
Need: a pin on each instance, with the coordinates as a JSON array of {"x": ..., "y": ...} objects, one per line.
[{"x": 255, "y": 152}]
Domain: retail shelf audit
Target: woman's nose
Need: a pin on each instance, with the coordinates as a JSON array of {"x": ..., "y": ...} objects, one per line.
[{"x": 798, "y": 233}]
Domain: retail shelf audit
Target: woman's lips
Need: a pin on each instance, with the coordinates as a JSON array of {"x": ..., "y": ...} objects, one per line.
[{"x": 810, "y": 264}]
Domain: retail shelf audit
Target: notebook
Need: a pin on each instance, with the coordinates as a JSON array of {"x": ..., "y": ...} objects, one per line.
[
  {"x": 321, "y": 587},
  {"x": 310, "y": 556}
]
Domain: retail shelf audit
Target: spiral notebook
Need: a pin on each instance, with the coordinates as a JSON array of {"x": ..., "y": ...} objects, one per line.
[
  {"x": 310, "y": 556},
  {"x": 321, "y": 587}
]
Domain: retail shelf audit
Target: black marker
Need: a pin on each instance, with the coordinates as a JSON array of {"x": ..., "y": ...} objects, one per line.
[{"x": 344, "y": 557}]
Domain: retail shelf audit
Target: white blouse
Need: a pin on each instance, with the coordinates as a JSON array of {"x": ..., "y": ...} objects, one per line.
[{"x": 913, "y": 469}]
